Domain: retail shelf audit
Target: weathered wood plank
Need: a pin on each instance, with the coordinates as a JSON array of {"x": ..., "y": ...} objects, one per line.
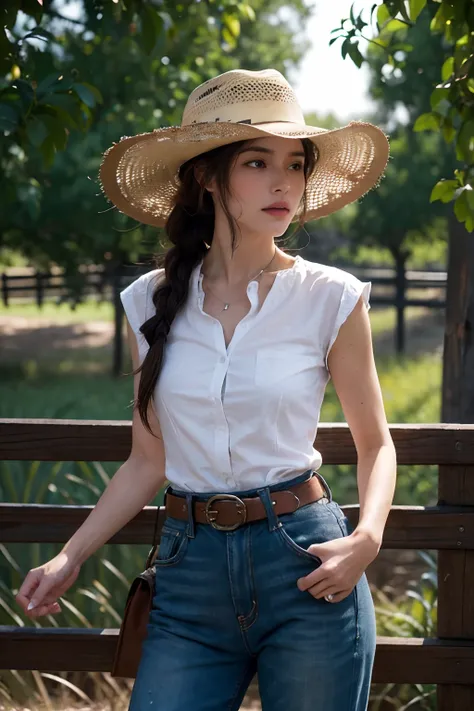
[
  {"x": 456, "y": 583},
  {"x": 408, "y": 527},
  {"x": 104, "y": 440},
  {"x": 399, "y": 661}
]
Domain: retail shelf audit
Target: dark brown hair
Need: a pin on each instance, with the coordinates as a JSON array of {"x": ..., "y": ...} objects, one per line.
[{"x": 190, "y": 229}]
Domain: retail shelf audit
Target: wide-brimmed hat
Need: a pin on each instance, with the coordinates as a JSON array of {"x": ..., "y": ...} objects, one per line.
[{"x": 139, "y": 174}]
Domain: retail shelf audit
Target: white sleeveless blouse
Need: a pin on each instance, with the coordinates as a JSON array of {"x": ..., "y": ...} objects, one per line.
[{"x": 246, "y": 416}]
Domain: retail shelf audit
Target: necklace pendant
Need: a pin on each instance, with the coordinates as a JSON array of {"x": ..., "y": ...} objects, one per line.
[{"x": 226, "y": 306}]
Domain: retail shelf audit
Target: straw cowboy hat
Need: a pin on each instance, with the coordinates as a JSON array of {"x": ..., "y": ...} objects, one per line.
[{"x": 139, "y": 174}]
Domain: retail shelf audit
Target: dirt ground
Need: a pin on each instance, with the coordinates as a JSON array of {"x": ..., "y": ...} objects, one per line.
[{"x": 22, "y": 337}]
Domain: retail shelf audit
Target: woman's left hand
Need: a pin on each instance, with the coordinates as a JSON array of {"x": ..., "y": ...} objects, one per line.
[{"x": 344, "y": 561}]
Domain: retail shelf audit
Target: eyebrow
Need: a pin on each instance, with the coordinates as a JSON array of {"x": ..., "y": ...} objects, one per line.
[{"x": 268, "y": 150}]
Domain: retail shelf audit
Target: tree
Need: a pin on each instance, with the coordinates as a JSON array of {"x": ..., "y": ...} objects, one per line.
[
  {"x": 122, "y": 74},
  {"x": 451, "y": 98},
  {"x": 452, "y": 117}
]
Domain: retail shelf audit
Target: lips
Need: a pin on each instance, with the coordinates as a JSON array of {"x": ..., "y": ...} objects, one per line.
[{"x": 275, "y": 209}]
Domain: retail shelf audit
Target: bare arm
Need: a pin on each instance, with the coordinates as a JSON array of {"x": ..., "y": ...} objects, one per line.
[
  {"x": 132, "y": 487},
  {"x": 353, "y": 371}
]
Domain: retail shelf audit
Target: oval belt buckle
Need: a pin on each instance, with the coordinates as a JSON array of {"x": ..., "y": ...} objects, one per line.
[{"x": 211, "y": 514}]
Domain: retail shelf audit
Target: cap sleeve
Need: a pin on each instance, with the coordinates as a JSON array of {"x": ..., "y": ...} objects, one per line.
[
  {"x": 137, "y": 301},
  {"x": 352, "y": 289}
]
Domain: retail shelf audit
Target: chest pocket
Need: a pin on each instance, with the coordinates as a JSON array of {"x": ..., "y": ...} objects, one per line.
[{"x": 284, "y": 368}]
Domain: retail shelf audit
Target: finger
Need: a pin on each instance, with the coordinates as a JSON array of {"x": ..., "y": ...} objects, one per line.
[
  {"x": 29, "y": 585},
  {"x": 320, "y": 591},
  {"x": 44, "y": 609},
  {"x": 338, "y": 596},
  {"x": 40, "y": 595},
  {"x": 318, "y": 576}
]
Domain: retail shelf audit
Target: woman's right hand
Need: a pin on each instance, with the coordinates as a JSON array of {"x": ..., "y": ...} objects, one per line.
[{"x": 45, "y": 584}]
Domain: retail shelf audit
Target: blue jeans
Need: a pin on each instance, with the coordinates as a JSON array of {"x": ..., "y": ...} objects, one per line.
[{"x": 227, "y": 607}]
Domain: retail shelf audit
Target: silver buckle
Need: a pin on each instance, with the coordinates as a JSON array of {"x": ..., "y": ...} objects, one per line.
[{"x": 211, "y": 514}]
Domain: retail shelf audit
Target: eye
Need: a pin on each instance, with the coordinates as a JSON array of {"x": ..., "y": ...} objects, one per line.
[
  {"x": 300, "y": 166},
  {"x": 255, "y": 160}
]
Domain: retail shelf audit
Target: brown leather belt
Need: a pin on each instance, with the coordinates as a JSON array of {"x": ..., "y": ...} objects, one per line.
[{"x": 226, "y": 512}]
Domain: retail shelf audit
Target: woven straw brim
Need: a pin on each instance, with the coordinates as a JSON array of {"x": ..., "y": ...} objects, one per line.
[{"x": 139, "y": 174}]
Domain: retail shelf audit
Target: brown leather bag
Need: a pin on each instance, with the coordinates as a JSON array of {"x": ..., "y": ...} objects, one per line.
[{"x": 135, "y": 619}]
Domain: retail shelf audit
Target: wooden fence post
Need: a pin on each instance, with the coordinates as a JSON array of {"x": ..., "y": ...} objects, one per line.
[
  {"x": 400, "y": 296},
  {"x": 5, "y": 288},
  {"x": 456, "y": 583},
  {"x": 118, "y": 313}
]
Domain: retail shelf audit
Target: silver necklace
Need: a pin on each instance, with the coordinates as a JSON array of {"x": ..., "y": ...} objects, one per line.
[{"x": 226, "y": 303}]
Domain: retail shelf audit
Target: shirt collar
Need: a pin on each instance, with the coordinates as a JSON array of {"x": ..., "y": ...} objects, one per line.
[{"x": 283, "y": 281}]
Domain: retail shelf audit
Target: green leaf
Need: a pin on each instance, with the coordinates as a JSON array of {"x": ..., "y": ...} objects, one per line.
[
  {"x": 355, "y": 54},
  {"x": 85, "y": 94},
  {"x": 448, "y": 130},
  {"x": 25, "y": 91},
  {"x": 36, "y": 131},
  {"x": 416, "y": 6},
  {"x": 440, "y": 102},
  {"x": 247, "y": 11},
  {"x": 152, "y": 25},
  {"x": 9, "y": 118},
  {"x": 438, "y": 22},
  {"x": 470, "y": 197},
  {"x": 98, "y": 96},
  {"x": 444, "y": 190},
  {"x": 51, "y": 83},
  {"x": 394, "y": 26},
  {"x": 447, "y": 69},
  {"x": 228, "y": 37},
  {"x": 345, "y": 47},
  {"x": 383, "y": 16},
  {"x": 426, "y": 122},
  {"x": 461, "y": 208},
  {"x": 232, "y": 24},
  {"x": 465, "y": 139}
]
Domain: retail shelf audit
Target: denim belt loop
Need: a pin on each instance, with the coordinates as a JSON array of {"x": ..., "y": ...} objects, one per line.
[
  {"x": 191, "y": 526},
  {"x": 266, "y": 498},
  {"x": 325, "y": 484}
]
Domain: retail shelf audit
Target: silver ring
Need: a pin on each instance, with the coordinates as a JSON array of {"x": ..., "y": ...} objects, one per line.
[{"x": 329, "y": 597}]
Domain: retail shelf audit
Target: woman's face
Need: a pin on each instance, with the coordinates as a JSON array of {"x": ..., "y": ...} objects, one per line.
[{"x": 267, "y": 170}]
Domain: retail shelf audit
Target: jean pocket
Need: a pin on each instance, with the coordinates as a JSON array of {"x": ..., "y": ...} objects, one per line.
[
  {"x": 173, "y": 543},
  {"x": 313, "y": 523}
]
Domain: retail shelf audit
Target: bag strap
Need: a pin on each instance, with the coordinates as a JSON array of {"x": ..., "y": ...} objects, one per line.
[{"x": 154, "y": 548}]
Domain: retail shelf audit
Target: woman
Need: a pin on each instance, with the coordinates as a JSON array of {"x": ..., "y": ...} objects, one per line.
[{"x": 233, "y": 343}]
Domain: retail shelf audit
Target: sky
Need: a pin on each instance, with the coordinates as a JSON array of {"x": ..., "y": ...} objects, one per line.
[{"x": 326, "y": 82}]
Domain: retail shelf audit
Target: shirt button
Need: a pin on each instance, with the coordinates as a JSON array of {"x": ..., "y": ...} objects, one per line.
[{"x": 222, "y": 359}]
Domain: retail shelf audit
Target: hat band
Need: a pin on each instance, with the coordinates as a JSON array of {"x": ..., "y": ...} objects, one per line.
[{"x": 268, "y": 111}]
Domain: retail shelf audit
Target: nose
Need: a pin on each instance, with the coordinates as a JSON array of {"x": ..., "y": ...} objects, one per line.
[{"x": 281, "y": 182}]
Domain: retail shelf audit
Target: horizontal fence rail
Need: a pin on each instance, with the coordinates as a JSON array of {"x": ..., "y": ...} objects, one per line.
[
  {"x": 447, "y": 527},
  {"x": 50, "y": 440},
  {"x": 398, "y": 660},
  {"x": 408, "y": 527}
]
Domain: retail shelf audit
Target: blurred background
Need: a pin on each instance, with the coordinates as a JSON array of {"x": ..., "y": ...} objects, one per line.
[{"x": 76, "y": 77}]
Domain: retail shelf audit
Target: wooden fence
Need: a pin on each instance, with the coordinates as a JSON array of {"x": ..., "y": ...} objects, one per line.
[
  {"x": 448, "y": 527},
  {"x": 391, "y": 287}
]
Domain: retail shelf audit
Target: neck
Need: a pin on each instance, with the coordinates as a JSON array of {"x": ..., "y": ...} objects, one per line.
[{"x": 228, "y": 270}]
